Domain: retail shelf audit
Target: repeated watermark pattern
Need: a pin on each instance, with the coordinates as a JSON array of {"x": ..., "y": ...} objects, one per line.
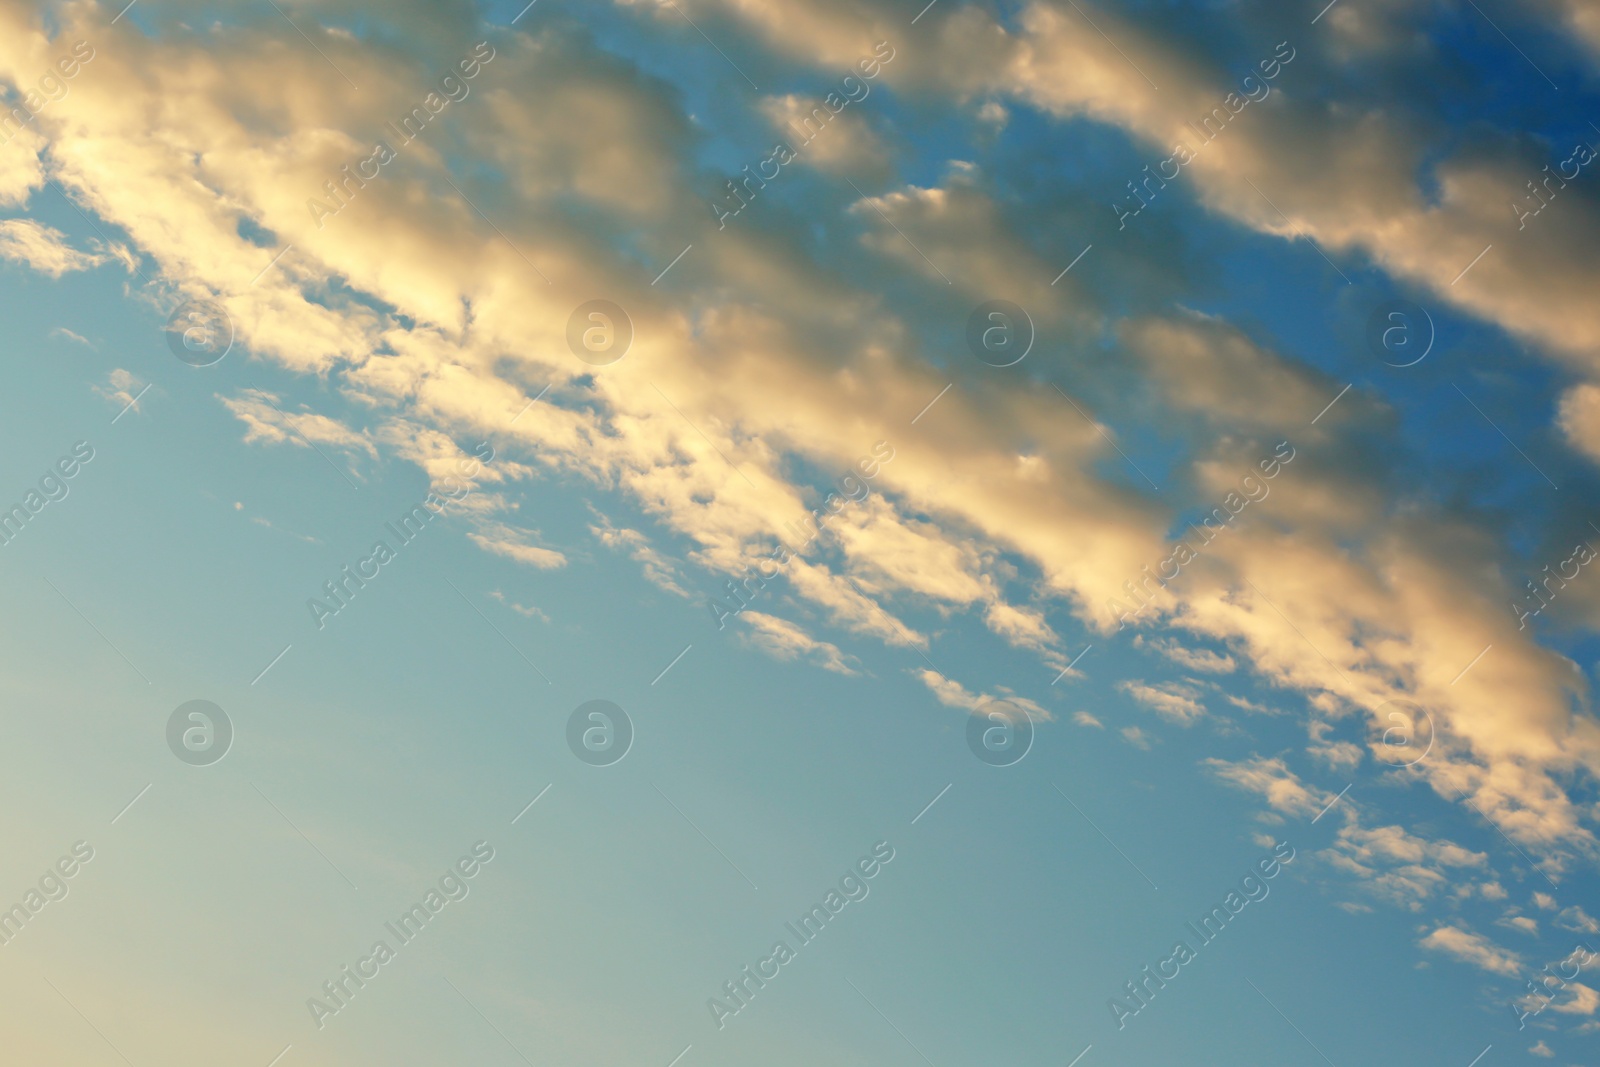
[
  {"x": 1543, "y": 194},
  {"x": 54, "y": 486},
  {"x": 1139, "y": 993},
  {"x": 51, "y": 87},
  {"x": 53, "y": 885},
  {"x": 799, "y": 335},
  {"x": 341, "y": 590},
  {"x": 1253, "y": 488},
  {"x": 851, "y": 90},
  {"x": 1543, "y": 594},
  {"x": 341, "y": 190},
  {"x": 1550, "y": 983},
  {"x": 452, "y": 886},
  {"x": 1252, "y": 89}
]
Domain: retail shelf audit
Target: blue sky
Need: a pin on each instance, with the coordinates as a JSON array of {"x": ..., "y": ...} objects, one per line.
[{"x": 987, "y": 569}]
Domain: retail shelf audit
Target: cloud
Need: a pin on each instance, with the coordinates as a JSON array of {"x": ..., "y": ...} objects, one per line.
[
  {"x": 1338, "y": 755},
  {"x": 65, "y": 334},
  {"x": 1472, "y": 948},
  {"x": 1211, "y": 369},
  {"x": 451, "y": 469},
  {"x": 1251, "y": 706},
  {"x": 1582, "y": 1000},
  {"x": 840, "y": 143},
  {"x": 1083, "y": 718},
  {"x": 20, "y": 169},
  {"x": 1201, "y": 659},
  {"x": 1272, "y": 780},
  {"x": 259, "y": 520},
  {"x": 1396, "y": 843},
  {"x": 1579, "y": 418},
  {"x": 994, "y": 113},
  {"x": 516, "y": 544},
  {"x": 1577, "y": 920},
  {"x": 1342, "y": 590},
  {"x": 266, "y": 421},
  {"x": 953, "y": 694},
  {"x": 1397, "y": 865},
  {"x": 658, "y": 569},
  {"x": 960, "y": 239},
  {"x": 1519, "y": 922},
  {"x": 785, "y": 640},
  {"x": 1345, "y": 176},
  {"x": 419, "y": 314},
  {"x": 1539, "y": 1048},
  {"x": 1343, "y": 756},
  {"x": 521, "y": 609},
  {"x": 1172, "y": 701},
  {"x": 43, "y": 248},
  {"x": 122, "y": 388}
]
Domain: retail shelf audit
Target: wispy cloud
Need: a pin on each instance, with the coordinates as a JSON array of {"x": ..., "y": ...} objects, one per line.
[
  {"x": 1173, "y": 701},
  {"x": 1468, "y": 947},
  {"x": 517, "y": 544},
  {"x": 43, "y": 248},
  {"x": 785, "y": 640}
]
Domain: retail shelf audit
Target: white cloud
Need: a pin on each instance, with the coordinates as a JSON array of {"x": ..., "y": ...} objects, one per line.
[
  {"x": 1343, "y": 756},
  {"x": 1581, "y": 1000},
  {"x": 1472, "y": 948},
  {"x": 658, "y": 569},
  {"x": 65, "y": 334},
  {"x": 452, "y": 470},
  {"x": 266, "y": 421},
  {"x": 122, "y": 387},
  {"x": 841, "y": 143},
  {"x": 953, "y": 694},
  {"x": 1272, "y": 780},
  {"x": 516, "y": 544},
  {"x": 1251, "y": 706},
  {"x": 1171, "y": 700},
  {"x": 1399, "y": 866},
  {"x": 20, "y": 169},
  {"x": 785, "y": 640},
  {"x": 1195, "y": 659},
  {"x": 1576, "y": 919},
  {"x": 1083, "y": 718},
  {"x": 1519, "y": 922},
  {"x": 521, "y": 609},
  {"x": 1579, "y": 418},
  {"x": 1338, "y": 755},
  {"x": 43, "y": 248}
]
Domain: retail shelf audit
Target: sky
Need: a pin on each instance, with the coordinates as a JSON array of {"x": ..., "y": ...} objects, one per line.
[{"x": 852, "y": 532}]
